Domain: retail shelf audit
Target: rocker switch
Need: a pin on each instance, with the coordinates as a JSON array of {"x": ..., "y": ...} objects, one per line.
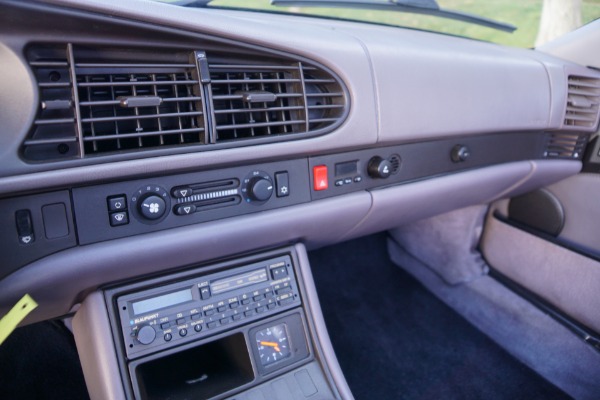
[{"x": 24, "y": 227}]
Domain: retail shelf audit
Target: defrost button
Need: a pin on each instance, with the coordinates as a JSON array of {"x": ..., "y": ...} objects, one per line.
[{"x": 119, "y": 218}]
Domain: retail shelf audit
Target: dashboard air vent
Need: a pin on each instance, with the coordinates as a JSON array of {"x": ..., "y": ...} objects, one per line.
[
  {"x": 54, "y": 134},
  {"x": 254, "y": 100},
  {"x": 583, "y": 103},
  {"x": 132, "y": 106},
  {"x": 107, "y": 100},
  {"x": 565, "y": 145}
]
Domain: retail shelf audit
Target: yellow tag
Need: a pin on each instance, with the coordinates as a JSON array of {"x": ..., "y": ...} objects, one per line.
[{"x": 9, "y": 322}]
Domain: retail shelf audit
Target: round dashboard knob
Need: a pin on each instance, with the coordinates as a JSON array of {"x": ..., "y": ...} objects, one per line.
[
  {"x": 146, "y": 334},
  {"x": 379, "y": 168},
  {"x": 260, "y": 189},
  {"x": 152, "y": 207}
]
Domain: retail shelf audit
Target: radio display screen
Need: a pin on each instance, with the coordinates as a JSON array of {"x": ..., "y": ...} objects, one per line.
[
  {"x": 163, "y": 301},
  {"x": 238, "y": 281}
]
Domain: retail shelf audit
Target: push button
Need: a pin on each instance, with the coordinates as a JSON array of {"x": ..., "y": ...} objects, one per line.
[
  {"x": 320, "y": 181},
  {"x": 119, "y": 218},
  {"x": 205, "y": 293},
  {"x": 278, "y": 273},
  {"x": 117, "y": 203},
  {"x": 282, "y": 183}
]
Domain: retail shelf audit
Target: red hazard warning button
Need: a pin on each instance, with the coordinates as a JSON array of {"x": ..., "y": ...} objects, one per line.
[{"x": 320, "y": 177}]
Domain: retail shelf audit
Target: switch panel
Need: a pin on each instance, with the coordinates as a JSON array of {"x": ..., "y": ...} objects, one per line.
[{"x": 35, "y": 226}]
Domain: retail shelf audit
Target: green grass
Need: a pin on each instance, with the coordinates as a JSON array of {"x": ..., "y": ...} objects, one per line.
[{"x": 525, "y": 14}]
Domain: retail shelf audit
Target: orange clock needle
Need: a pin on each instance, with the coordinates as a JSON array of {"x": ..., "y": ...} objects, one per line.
[{"x": 271, "y": 344}]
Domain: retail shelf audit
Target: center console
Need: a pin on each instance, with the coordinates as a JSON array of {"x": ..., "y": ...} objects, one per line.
[{"x": 248, "y": 328}]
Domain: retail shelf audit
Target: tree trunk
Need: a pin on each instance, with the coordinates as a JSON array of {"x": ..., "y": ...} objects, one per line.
[{"x": 558, "y": 17}]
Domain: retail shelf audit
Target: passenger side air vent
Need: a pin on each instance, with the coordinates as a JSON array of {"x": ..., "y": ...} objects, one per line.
[
  {"x": 583, "y": 102},
  {"x": 255, "y": 100},
  {"x": 105, "y": 100},
  {"x": 565, "y": 145}
]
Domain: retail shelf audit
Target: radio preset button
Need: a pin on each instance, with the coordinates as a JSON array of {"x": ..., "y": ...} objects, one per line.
[
  {"x": 271, "y": 306},
  {"x": 211, "y": 324},
  {"x": 146, "y": 334},
  {"x": 225, "y": 321},
  {"x": 168, "y": 337},
  {"x": 286, "y": 301},
  {"x": 260, "y": 309},
  {"x": 278, "y": 273},
  {"x": 198, "y": 327},
  {"x": 182, "y": 332},
  {"x": 249, "y": 313},
  {"x": 237, "y": 317}
]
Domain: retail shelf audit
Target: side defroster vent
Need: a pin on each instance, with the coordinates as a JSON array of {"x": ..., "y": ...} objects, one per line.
[
  {"x": 565, "y": 145},
  {"x": 583, "y": 103},
  {"x": 53, "y": 135},
  {"x": 255, "y": 100}
]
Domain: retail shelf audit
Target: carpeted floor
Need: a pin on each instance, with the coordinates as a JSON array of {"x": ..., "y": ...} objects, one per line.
[
  {"x": 40, "y": 361},
  {"x": 395, "y": 340}
]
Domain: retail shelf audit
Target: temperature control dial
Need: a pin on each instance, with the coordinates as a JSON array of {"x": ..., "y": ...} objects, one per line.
[
  {"x": 150, "y": 204},
  {"x": 257, "y": 187}
]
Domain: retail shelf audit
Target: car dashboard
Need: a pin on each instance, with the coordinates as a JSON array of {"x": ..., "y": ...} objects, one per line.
[{"x": 161, "y": 164}]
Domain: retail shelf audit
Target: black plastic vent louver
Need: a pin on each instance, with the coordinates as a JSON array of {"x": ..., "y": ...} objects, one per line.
[
  {"x": 254, "y": 100},
  {"x": 54, "y": 133},
  {"x": 583, "y": 103},
  {"x": 127, "y": 106},
  {"x": 108, "y": 100},
  {"x": 565, "y": 145}
]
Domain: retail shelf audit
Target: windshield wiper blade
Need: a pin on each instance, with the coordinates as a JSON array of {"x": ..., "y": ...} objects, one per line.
[{"x": 427, "y": 7}]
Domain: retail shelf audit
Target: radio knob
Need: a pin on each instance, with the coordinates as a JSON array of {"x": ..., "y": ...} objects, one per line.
[
  {"x": 152, "y": 207},
  {"x": 146, "y": 334},
  {"x": 260, "y": 189}
]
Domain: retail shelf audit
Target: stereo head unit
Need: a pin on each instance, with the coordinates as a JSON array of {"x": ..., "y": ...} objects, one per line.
[{"x": 159, "y": 318}]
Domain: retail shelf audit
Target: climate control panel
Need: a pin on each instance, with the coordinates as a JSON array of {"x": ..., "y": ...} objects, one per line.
[{"x": 122, "y": 209}]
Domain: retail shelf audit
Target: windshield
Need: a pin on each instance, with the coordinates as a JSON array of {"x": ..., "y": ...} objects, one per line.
[{"x": 537, "y": 21}]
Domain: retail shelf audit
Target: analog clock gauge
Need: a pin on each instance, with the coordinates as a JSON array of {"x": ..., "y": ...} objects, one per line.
[{"x": 273, "y": 344}]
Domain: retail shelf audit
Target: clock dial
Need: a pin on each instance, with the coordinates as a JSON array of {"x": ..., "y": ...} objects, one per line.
[{"x": 273, "y": 344}]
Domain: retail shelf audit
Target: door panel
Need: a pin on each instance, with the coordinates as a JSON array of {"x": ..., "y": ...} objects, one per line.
[{"x": 548, "y": 242}]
